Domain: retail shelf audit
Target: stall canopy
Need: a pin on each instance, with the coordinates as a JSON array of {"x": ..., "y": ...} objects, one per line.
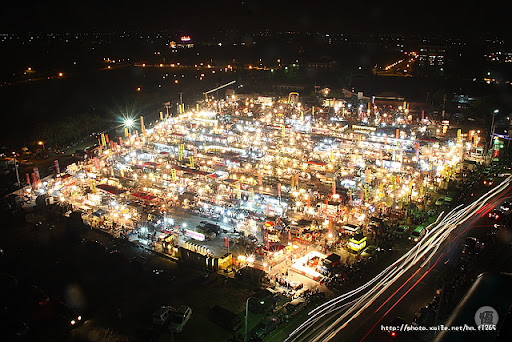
[
  {"x": 110, "y": 189},
  {"x": 144, "y": 196}
]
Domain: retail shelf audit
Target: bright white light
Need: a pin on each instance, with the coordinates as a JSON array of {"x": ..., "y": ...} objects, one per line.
[{"x": 128, "y": 123}]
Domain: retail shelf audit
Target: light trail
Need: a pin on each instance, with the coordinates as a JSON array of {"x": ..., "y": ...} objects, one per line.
[
  {"x": 402, "y": 297},
  {"x": 425, "y": 250}
]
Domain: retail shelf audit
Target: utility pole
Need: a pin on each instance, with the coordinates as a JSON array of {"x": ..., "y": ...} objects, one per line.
[
  {"x": 444, "y": 104},
  {"x": 18, "y": 184}
]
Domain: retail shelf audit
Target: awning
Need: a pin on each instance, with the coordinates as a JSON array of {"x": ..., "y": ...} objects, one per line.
[
  {"x": 144, "y": 196},
  {"x": 110, "y": 189}
]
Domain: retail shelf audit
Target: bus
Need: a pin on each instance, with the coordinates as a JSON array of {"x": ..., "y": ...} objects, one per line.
[{"x": 418, "y": 233}]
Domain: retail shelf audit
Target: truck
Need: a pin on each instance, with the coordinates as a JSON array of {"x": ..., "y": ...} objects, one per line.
[{"x": 330, "y": 262}]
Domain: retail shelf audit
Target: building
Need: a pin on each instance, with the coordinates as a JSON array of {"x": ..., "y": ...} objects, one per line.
[{"x": 432, "y": 55}]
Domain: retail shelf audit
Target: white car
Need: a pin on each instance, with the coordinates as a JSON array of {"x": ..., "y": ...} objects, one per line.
[{"x": 180, "y": 317}]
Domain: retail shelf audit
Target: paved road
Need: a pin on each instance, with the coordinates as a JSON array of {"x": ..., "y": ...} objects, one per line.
[{"x": 412, "y": 289}]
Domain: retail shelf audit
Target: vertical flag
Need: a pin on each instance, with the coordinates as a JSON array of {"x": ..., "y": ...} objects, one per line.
[
  {"x": 181, "y": 152},
  {"x": 239, "y": 191},
  {"x": 57, "y": 167},
  {"x": 142, "y": 127},
  {"x": 36, "y": 172}
]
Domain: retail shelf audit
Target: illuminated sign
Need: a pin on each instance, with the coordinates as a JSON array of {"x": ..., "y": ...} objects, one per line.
[
  {"x": 363, "y": 129},
  {"x": 194, "y": 235},
  {"x": 185, "y": 38}
]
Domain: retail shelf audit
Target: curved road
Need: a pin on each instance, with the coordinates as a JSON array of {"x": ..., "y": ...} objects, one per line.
[{"x": 358, "y": 314}]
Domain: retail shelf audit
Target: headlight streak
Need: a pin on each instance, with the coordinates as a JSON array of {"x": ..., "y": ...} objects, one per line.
[{"x": 427, "y": 247}]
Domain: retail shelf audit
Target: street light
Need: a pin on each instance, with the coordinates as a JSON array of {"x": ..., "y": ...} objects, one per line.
[
  {"x": 247, "y": 314},
  {"x": 493, "y": 128},
  {"x": 128, "y": 124},
  {"x": 41, "y": 143}
]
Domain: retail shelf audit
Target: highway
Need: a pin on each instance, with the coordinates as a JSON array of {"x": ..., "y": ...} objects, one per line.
[{"x": 355, "y": 315}]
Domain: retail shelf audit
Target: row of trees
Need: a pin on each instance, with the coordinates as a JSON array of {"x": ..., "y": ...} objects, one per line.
[{"x": 60, "y": 133}]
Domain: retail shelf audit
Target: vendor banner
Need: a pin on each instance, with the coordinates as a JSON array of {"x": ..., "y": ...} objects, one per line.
[{"x": 57, "y": 167}]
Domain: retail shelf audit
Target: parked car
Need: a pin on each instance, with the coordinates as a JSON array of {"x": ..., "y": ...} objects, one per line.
[
  {"x": 370, "y": 251},
  {"x": 293, "y": 308},
  {"x": 225, "y": 318},
  {"x": 66, "y": 317},
  {"x": 401, "y": 230},
  {"x": 180, "y": 318},
  {"x": 162, "y": 315},
  {"x": 506, "y": 207},
  {"x": 266, "y": 326},
  {"x": 472, "y": 245},
  {"x": 489, "y": 181},
  {"x": 424, "y": 317}
]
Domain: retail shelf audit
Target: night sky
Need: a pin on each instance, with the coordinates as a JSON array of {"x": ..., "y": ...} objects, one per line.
[{"x": 343, "y": 16}]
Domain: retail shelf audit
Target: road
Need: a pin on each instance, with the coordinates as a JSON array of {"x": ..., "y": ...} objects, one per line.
[{"x": 354, "y": 316}]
